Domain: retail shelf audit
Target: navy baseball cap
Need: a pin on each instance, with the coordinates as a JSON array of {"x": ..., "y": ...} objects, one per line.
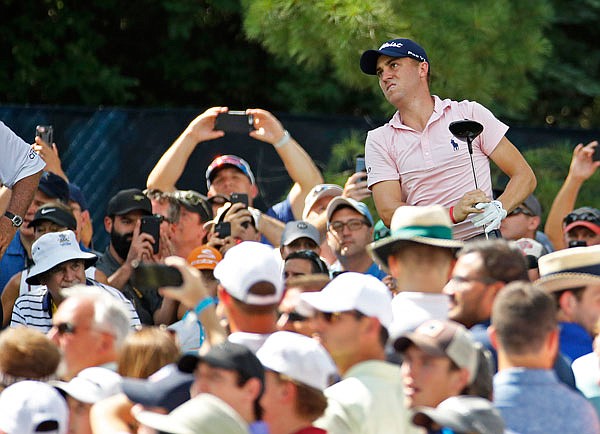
[
  {"x": 54, "y": 186},
  {"x": 401, "y": 47},
  {"x": 76, "y": 195}
]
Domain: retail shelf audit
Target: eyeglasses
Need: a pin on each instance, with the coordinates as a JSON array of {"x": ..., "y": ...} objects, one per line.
[
  {"x": 521, "y": 210},
  {"x": 461, "y": 279},
  {"x": 353, "y": 225},
  {"x": 65, "y": 328},
  {"x": 332, "y": 317},
  {"x": 162, "y": 218}
]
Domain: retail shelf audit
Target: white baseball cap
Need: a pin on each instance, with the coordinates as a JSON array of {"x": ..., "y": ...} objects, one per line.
[
  {"x": 316, "y": 193},
  {"x": 299, "y": 357},
  {"x": 54, "y": 248},
  {"x": 246, "y": 264},
  {"x": 28, "y": 407},
  {"x": 91, "y": 385},
  {"x": 354, "y": 291}
]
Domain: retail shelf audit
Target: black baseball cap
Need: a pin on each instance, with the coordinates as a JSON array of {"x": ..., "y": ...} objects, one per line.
[
  {"x": 55, "y": 214},
  {"x": 226, "y": 355},
  {"x": 132, "y": 199},
  {"x": 54, "y": 186},
  {"x": 167, "y": 388},
  {"x": 194, "y": 202}
]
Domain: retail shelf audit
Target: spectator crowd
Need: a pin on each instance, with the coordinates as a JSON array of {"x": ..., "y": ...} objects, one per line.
[{"x": 445, "y": 309}]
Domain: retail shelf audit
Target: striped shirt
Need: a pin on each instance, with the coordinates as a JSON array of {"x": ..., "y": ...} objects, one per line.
[{"x": 34, "y": 309}]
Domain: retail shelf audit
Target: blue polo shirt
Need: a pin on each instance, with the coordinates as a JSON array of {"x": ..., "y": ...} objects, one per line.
[{"x": 13, "y": 261}]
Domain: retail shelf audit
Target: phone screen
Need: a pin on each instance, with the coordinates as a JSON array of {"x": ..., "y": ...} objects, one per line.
[
  {"x": 235, "y": 122},
  {"x": 151, "y": 225}
]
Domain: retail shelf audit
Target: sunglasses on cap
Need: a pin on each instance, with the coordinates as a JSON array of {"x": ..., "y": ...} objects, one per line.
[
  {"x": 586, "y": 216},
  {"x": 218, "y": 199}
]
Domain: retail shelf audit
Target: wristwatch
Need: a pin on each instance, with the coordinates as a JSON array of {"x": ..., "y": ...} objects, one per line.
[{"x": 16, "y": 220}]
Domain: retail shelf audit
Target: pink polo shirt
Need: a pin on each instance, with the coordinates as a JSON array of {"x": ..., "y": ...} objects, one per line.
[{"x": 433, "y": 166}]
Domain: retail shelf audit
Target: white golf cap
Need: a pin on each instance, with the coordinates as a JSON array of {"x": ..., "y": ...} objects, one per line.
[
  {"x": 354, "y": 291},
  {"x": 91, "y": 385},
  {"x": 317, "y": 192},
  {"x": 298, "y": 357},
  {"x": 54, "y": 248},
  {"x": 246, "y": 264},
  {"x": 28, "y": 407}
]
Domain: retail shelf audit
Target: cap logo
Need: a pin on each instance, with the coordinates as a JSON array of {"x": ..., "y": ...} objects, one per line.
[
  {"x": 63, "y": 240},
  {"x": 391, "y": 44},
  {"x": 432, "y": 329},
  {"x": 47, "y": 210},
  {"x": 302, "y": 225},
  {"x": 138, "y": 197}
]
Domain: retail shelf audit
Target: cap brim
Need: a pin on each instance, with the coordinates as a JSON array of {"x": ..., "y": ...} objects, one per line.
[
  {"x": 325, "y": 303},
  {"x": 162, "y": 422},
  {"x": 77, "y": 390},
  {"x": 561, "y": 281},
  {"x": 424, "y": 416},
  {"x": 427, "y": 345},
  {"x": 591, "y": 226},
  {"x": 368, "y": 61},
  {"x": 380, "y": 250},
  {"x": 89, "y": 259}
]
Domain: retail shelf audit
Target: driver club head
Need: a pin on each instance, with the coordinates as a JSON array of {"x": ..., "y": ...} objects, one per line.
[{"x": 465, "y": 129}]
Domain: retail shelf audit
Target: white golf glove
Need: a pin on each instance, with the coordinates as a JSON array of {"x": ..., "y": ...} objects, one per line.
[{"x": 492, "y": 215}]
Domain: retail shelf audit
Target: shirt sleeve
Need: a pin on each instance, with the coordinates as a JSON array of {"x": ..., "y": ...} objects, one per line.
[
  {"x": 18, "y": 159},
  {"x": 379, "y": 159}
]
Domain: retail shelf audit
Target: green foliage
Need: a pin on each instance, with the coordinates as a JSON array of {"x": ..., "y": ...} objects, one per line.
[
  {"x": 551, "y": 165},
  {"x": 474, "y": 55}
]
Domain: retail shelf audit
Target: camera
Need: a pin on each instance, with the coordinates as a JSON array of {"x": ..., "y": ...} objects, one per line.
[
  {"x": 153, "y": 276},
  {"x": 46, "y": 133},
  {"x": 235, "y": 121}
]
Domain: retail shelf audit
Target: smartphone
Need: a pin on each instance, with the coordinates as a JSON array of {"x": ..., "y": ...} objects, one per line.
[
  {"x": 239, "y": 198},
  {"x": 235, "y": 121},
  {"x": 149, "y": 275},
  {"x": 223, "y": 229},
  {"x": 360, "y": 166},
  {"x": 151, "y": 225},
  {"x": 46, "y": 133}
]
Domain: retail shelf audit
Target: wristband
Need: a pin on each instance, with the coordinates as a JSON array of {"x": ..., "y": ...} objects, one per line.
[
  {"x": 203, "y": 305},
  {"x": 256, "y": 215},
  {"x": 286, "y": 138},
  {"x": 450, "y": 211}
]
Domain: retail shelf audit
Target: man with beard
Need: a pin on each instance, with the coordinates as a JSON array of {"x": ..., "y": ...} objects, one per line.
[{"x": 127, "y": 245}]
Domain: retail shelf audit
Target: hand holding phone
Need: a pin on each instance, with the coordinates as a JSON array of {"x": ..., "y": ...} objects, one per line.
[
  {"x": 235, "y": 121},
  {"x": 223, "y": 229},
  {"x": 360, "y": 166},
  {"x": 151, "y": 225},
  {"x": 152, "y": 276}
]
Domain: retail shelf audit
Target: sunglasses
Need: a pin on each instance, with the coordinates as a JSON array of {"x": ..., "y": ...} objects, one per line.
[
  {"x": 521, "y": 210},
  {"x": 332, "y": 317},
  {"x": 65, "y": 328},
  {"x": 293, "y": 316},
  {"x": 586, "y": 216}
]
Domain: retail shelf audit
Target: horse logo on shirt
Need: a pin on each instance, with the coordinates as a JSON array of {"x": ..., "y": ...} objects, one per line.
[{"x": 454, "y": 144}]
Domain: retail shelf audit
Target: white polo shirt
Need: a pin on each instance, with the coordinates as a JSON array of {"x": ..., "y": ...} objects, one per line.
[{"x": 18, "y": 159}]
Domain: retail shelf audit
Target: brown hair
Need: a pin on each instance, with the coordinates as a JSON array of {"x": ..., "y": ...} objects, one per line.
[
  {"x": 27, "y": 353},
  {"x": 146, "y": 351},
  {"x": 310, "y": 402}
]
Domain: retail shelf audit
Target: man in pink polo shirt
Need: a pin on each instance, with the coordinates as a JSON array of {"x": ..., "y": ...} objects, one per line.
[{"x": 415, "y": 160}]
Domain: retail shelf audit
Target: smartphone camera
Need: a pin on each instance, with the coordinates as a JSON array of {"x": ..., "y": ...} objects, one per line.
[
  {"x": 360, "y": 166},
  {"x": 223, "y": 229},
  {"x": 235, "y": 121},
  {"x": 150, "y": 224},
  {"x": 153, "y": 276},
  {"x": 46, "y": 133},
  {"x": 239, "y": 198}
]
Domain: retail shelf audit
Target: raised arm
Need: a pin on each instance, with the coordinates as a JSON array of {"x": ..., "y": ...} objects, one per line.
[
  {"x": 299, "y": 165},
  {"x": 581, "y": 169},
  {"x": 387, "y": 196},
  {"x": 170, "y": 167}
]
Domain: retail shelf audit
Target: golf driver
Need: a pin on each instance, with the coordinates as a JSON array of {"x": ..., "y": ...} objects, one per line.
[{"x": 467, "y": 130}]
